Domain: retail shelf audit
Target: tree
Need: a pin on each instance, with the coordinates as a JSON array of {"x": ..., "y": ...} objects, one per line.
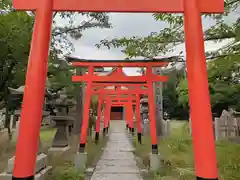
[
  {"x": 15, "y": 36},
  {"x": 62, "y": 35},
  {"x": 162, "y": 42},
  {"x": 224, "y": 86},
  {"x": 171, "y": 95},
  {"x": 224, "y": 83}
]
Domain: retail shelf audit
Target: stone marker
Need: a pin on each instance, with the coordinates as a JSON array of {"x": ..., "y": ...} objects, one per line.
[
  {"x": 80, "y": 160},
  {"x": 41, "y": 169},
  {"x": 154, "y": 162}
]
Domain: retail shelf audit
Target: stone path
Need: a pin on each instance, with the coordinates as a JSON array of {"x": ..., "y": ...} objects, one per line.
[{"x": 117, "y": 161}]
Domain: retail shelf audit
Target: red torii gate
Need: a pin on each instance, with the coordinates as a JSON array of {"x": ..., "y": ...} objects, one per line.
[
  {"x": 202, "y": 132},
  {"x": 134, "y": 89},
  {"x": 118, "y": 91},
  {"x": 118, "y": 77},
  {"x": 120, "y": 102}
]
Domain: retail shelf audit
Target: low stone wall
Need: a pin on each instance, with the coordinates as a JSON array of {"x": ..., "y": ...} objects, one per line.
[{"x": 225, "y": 128}]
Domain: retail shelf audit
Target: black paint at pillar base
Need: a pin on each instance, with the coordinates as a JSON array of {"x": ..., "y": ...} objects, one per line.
[
  {"x": 139, "y": 135},
  {"x": 154, "y": 149},
  {"x": 201, "y": 178},
  {"x": 96, "y": 137},
  {"x": 81, "y": 148},
  {"x": 24, "y": 178}
]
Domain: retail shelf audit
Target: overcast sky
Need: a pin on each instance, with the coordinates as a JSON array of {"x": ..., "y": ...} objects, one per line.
[{"x": 124, "y": 24}]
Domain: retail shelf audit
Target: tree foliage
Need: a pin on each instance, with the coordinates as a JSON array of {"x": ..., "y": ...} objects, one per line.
[
  {"x": 15, "y": 36},
  {"x": 223, "y": 69},
  {"x": 157, "y": 43},
  {"x": 224, "y": 86}
]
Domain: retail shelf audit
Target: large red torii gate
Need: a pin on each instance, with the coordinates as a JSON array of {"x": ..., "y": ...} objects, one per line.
[{"x": 202, "y": 132}]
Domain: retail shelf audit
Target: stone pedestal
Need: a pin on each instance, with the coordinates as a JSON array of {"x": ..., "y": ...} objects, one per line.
[
  {"x": 155, "y": 162},
  {"x": 58, "y": 151},
  {"x": 41, "y": 170},
  {"x": 60, "y": 144},
  {"x": 80, "y": 161},
  {"x": 61, "y": 137}
]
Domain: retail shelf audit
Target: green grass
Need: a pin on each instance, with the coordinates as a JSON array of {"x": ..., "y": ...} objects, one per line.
[
  {"x": 47, "y": 135},
  {"x": 63, "y": 167},
  {"x": 65, "y": 170},
  {"x": 7, "y": 148},
  {"x": 94, "y": 151},
  {"x": 177, "y": 156}
]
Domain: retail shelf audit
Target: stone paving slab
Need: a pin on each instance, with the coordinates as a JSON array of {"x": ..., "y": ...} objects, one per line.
[
  {"x": 101, "y": 176},
  {"x": 118, "y": 155},
  {"x": 117, "y": 161},
  {"x": 117, "y": 169}
]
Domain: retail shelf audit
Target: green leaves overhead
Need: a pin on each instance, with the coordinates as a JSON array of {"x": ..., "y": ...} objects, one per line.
[
  {"x": 75, "y": 25},
  {"x": 159, "y": 43},
  {"x": 224, "y": 86},
  {"x": 15, "y": 36}
]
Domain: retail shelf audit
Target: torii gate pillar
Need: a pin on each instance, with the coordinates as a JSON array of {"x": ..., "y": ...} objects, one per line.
[
  {"x": 129, "y": 117},
  {"x": 83, "y": 136},
  {"x": 107, "y": 111},
  {"x": 98, "y": 121},
  {"x": 200, "y": 108},
  {"x": 151, "y": 105},
  {"x": 138, "y": 118},
  {"x": 31, "y": 114}
]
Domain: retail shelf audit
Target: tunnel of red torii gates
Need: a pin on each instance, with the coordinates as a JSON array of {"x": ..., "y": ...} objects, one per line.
[
  {"x": 119, "y": 92},
  {"x": 200, "y": 108},
  {"x": 117, "y": 78},
  {"x": 119, "y": 101}
]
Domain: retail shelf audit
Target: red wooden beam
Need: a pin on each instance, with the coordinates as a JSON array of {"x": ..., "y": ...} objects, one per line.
[
  {"x": 117, "y": 95},
  {"x": 118, "y": 92},
  {"x": 115, "y": 100},
  {"x": 120, "y": 64},
  {"x": 122, "y": 104},
  {"x": 123, "y": 99},
  {"x": 173, "y": 6},
  {"x": 143, "y": 79},
  {"x": 100, "y": 84}
]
